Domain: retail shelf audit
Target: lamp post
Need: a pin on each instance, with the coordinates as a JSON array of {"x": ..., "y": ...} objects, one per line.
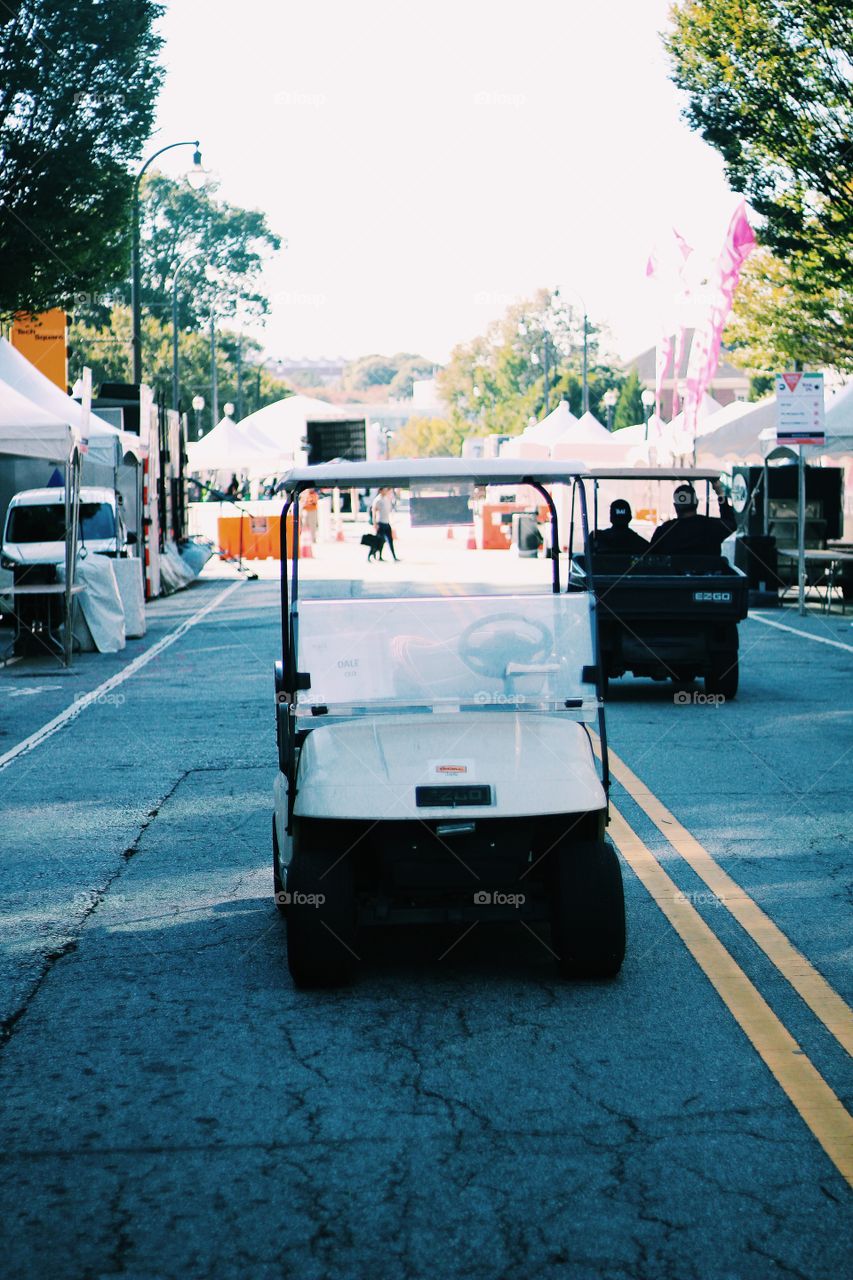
[
  {"x": 229, "y": 410},
  {"x": 198, "y": 405},
  {"x": 196, "y": 253},
  {"x": 648, "y": 399},
  {"x": 610, "y": 399},
  {"x": 585, "y": 374},
  {"x": 135, "y": 271}
]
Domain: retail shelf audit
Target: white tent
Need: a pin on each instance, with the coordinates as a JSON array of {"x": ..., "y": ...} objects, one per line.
[
  {"x": 28, "y": 431},
  {"x": 105, "y": 443},
  {"x": 550, "y": 428},
  {"x": 279, "y": 428},
  {"x": 228, "y": 448}
]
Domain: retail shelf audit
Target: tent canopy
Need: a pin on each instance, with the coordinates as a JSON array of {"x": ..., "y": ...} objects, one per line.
[
  {"x": 28, "y": 431},
  {"x": 280, "y": 427},
  {"x": 227, "y": 448},
  {"x": 106, "y": 443},
  {"x": 551, "y": 427}
]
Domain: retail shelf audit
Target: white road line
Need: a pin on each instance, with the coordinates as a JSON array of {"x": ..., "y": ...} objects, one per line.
[
  {"x": 806, "y": 635},
  {"x": 86, "y": 700}
]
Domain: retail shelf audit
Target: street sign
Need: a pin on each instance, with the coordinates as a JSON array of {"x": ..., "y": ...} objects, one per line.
[{"x": 799, "y": 406}]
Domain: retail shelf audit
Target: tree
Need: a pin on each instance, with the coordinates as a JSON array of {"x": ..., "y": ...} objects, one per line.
[
  {"x": 395, "y": 372},
  {"x": 427, "y": 438},
  {"x": 768, "y": 85},
  {"x": 231, "y": 245},
  {"x": 784, "y": 313},
  {"x": 106, "y": 351},
  {"x": 629, "y": 407},
  {"x": 78, "y": 87},
  {"x": 496, "y": 382}
]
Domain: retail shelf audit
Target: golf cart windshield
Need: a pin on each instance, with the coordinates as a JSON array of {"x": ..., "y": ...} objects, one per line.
[{"x": 516, "y": 653}]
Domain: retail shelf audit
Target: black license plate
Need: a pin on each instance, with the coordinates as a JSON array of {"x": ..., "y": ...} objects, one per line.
[{"x": 452, "y": 796}]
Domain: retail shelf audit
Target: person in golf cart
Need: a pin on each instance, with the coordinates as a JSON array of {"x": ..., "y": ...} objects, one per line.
[
  {"x": 620, "y": 538},
  {"x": 690, "y": 534}
]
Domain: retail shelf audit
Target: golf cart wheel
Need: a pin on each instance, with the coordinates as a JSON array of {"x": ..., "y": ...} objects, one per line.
[
  {"x": 721, "y": 674},
  {"x": 587, "y": 910},
  {"x": 320, "y": 918},
  {"x": 277, "y": 885}
]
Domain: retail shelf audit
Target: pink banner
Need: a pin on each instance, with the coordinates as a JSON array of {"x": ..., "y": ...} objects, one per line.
[{"x": 705, "y": 351}]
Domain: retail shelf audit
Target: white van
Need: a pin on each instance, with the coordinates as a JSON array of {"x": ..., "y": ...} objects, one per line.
[{"x": 35, "y": 526}]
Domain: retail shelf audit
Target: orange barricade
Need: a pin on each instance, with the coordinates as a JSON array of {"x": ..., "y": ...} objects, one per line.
[
  {"x": 497, "y": 523},
  {"x": 261, "y": 537}
]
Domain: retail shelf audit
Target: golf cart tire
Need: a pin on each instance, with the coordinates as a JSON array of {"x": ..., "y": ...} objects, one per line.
[
  {"x": 587, "y": 910},
  {"x": 320, "y": 919},
  {"x": 277, "y": 885},
  {"x": 721, "y": 675}
]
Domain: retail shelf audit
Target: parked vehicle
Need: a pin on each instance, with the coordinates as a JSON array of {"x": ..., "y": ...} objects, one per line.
[
  {"x": 435, "y": 763},
  {"x": 34, "y": 532}
]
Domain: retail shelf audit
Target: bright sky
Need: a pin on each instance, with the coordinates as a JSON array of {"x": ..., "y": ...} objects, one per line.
[{"x": 428, "y": 165}]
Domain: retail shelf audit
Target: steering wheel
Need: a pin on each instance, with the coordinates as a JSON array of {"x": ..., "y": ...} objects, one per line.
[{"x": 489, "y": 644}]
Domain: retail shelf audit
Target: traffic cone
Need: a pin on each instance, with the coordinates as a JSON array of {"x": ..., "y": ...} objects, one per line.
[
  {"x": 472, "y": 541},
  {"x": 306, "y": 545},
  {"x": 339, "y": 536},
  {"x": 450, "y": 533}
]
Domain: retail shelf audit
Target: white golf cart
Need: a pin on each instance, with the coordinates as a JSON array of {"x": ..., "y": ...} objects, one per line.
[{"x": 434, "y": 757}]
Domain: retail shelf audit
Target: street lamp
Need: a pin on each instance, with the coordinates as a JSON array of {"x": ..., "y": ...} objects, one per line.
[
  {"x": 229, "y": 410},
  {"x": 648, "y": 399},
  {"x": 585, "y": 384},
  {"x": 196, "y": 253},
  {"x": 135, "y": 273},
  {"x": 198, "y": 405},
  {"x": 609, "y": 400}
]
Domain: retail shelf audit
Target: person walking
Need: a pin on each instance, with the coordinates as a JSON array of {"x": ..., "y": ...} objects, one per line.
[{"x": 380, "y": 510}]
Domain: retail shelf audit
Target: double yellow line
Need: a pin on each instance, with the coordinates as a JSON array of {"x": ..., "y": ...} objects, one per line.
[{"x": 806, "y": 1088}]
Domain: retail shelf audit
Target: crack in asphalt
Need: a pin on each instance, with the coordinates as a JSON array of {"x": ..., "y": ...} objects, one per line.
[{"x": 51, "y": 958}]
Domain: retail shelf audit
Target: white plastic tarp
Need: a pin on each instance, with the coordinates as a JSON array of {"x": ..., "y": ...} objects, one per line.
[
  {"x": 99, "y": 621},
  {"x": 131, "y": 588}
]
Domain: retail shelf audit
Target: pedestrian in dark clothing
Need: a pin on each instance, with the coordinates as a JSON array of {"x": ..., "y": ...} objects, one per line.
[
  {"x": 690, "y": 534},
  {"x": 620, "y": 538}
]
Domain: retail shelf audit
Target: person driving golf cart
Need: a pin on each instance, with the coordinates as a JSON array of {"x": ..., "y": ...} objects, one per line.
[
  {"x": 620, "y": 538},
  {"x": 690, "y": 534}
]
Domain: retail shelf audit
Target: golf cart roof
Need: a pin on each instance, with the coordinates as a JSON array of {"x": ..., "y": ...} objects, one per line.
[
  {"x": 652, "y": 473},
  {"x": 404, "y": 471}
]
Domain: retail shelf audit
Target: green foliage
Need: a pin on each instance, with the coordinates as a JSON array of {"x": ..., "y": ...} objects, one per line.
[
  {"x": 427, "y": 438},
  {"x": 230, "y": 243},
  {"x": 106, "y": 351},
  {"x": 783, "y": 313},
  {"x": 768, "y": 85},
  {"x": 629, "y": 407},
  {"x": 395, "y": 372},
  {"x": 412, "y": 368},
  {"x": 78, "y": 87},
  {"x": 496, "y": 382}
]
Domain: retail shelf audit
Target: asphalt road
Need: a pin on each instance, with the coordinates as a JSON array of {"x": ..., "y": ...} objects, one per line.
[{"x": 172, "y": 1107}]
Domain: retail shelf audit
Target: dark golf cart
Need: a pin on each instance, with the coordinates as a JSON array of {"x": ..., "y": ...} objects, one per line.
[{"x": 664, "y": 616}]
